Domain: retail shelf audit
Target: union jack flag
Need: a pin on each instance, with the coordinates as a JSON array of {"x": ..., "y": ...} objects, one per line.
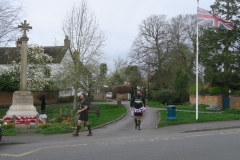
[{"x": 205, "y": 18}]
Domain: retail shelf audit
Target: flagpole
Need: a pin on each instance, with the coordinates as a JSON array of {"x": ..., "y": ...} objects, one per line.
[{"x": 197, "y": 72}]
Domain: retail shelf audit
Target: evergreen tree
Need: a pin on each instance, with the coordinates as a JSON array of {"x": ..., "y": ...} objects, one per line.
[{"x": 218, "y": 48}]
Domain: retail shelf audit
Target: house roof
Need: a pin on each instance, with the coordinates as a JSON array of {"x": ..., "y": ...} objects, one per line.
[{"x": 9, "y": 54}]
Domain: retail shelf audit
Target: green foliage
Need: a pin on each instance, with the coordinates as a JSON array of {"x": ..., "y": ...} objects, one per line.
[
  {"x": 8, "y": 83},
  {"x": 236, "y": 93},
  {"x": 7, "y": 126},
  {"x": 51, "y": 86},
  {"x": 190, "y": 117},
  {"x": 217, "y": 90},
  {"x": 164, "y": 96},
  {"x": 109, "y": 112},
  {"x": 204, "y": 91},
  {"x": 182, "y": 97},
  {"x": 181, "y": 81},
  {"x": 201, "y": 89},
  {"x": 44, "y": 126},
  {"x": 231, "y": 111},
  {"x": 216, "y": 47},
  {"x": 10, "y": 132}
]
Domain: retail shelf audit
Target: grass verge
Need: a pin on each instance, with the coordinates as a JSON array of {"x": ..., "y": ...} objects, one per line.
[
  {"x": 186, "y": 106},
  {"x": 190, "y": 117}
]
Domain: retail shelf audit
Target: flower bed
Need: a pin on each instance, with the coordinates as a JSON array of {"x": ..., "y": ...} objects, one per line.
[{"x": 22, "y": 120}]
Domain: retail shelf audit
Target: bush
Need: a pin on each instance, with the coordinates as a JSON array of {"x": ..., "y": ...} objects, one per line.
[
  {"x": 217, "y": 90},
  {"x": 44, "y": 126},
  {"x": 203, "y": 91},
  {"x": 236, "y": 93},
  {"x": 165, "y": 96},
  {"x": 7, "y": 126},
  {"x": 192, "y": 89},
  {"x": 182, "y": 97},
  {"x": 7, "y": 83},
  {"x": 121, "y": 89}
]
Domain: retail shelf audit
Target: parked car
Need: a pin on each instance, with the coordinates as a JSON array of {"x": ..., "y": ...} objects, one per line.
[
  {"x": 0, "y": 132},
  {"x": 109, "y": 95}
]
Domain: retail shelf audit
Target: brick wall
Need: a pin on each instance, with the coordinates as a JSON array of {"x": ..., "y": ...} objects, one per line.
[
  {"x": 99, "y": 96},
  {"x": 235, "y": 102},
  {"x": 208, "y": 100},
  {"x": 123, "y": 96},
  {"x": 50, "y": 97}
]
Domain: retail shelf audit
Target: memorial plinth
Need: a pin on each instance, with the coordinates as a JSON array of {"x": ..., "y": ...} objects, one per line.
[
  {"x": 22, "y": 108},
  {"x": 22, "y": 104}
]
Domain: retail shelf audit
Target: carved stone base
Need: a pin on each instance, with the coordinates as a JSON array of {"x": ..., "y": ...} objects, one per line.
[{"x": 22, "y": 105}]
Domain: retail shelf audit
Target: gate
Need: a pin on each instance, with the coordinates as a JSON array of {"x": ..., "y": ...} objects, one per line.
[{"x": 226, "y": 103}]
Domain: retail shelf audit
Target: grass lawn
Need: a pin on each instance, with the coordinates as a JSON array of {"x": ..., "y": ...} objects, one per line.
[
  {"x": 179, "y": 107},
  {"x": 55, "y": 124},
  {"x": 190, "y": 117},
  {"x": 108, "y": 113}
]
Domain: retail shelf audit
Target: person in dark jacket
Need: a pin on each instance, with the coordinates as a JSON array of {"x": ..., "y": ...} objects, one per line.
[
  {"x": 43, "y": 104},
  {"x": 83, "y": 110},
  {"x": 138, "y": 102}
]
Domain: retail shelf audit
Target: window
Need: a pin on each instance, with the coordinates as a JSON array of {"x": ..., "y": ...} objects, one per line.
[{"x": 47, "y": 72}]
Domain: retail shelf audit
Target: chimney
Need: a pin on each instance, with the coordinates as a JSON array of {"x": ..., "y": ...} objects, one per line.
[
  {"x": 18, "y": 43},
  {"x": 66, "y": 42}
]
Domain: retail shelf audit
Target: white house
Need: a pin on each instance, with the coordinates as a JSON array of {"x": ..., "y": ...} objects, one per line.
[{"x": 58, "y": 53}]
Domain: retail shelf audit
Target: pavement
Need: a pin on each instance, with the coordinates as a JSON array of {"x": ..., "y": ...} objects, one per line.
[{"x": 31, "y": 137}]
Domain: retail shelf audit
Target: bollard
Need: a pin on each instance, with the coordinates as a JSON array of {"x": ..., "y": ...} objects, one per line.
[
  {"x": 14, "y": 121},
  {"x": 37, "y": 120}
]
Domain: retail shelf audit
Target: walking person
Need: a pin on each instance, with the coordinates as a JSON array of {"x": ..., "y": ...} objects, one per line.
[
  {"x": 83, "y": 116},
  {"x": 138, "y": 102}
]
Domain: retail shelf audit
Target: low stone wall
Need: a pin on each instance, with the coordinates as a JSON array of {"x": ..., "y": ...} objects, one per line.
[{"x": 208, "y": 100}]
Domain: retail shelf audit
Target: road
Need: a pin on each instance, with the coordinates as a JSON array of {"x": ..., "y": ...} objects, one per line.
[{"x": 120, "y": 140}]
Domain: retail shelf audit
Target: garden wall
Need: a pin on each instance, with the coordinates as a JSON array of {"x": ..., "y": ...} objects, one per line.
[
  {"x": 99, "y": 96},
  {"x": 208, "y": 100},
  {"x": 216, "y": 99},
  {"x": 122, "y": 96},
  {"x": 235, "y": 102},
  {"x": 51, "y": 97}
]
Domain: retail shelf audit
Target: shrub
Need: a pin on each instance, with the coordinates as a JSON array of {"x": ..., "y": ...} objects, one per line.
[
  {"x": 165, "y": 96},
  {"x": 192, "y": 89},
  {"x": 44, "y": 126},
  {"x": 236, "y": 93},
  {"x": 182, "y": 97},
  {"x": 7, "y": 126},
  {"x": 121, "y": 89},
  {"x": 203, "y": 91},
  {"x": 217, "y": 90},
  {"x": 7, "y": 83}
]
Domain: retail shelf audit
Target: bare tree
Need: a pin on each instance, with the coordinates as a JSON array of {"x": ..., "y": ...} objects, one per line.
[
  {"x": 182, "y": 31},
  {"x": 10, "y": 11},
  {"x": 86, "y": 44},
  {"x": 165, "y": 46},
  {"x": 151, "y": 46}
]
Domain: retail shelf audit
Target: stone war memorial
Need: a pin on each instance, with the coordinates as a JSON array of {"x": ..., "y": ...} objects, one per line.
[{"x": 22, "y": 112}]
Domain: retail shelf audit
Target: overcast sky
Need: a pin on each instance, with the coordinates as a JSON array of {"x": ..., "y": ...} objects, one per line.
[{"x": 119, "y": 19}]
